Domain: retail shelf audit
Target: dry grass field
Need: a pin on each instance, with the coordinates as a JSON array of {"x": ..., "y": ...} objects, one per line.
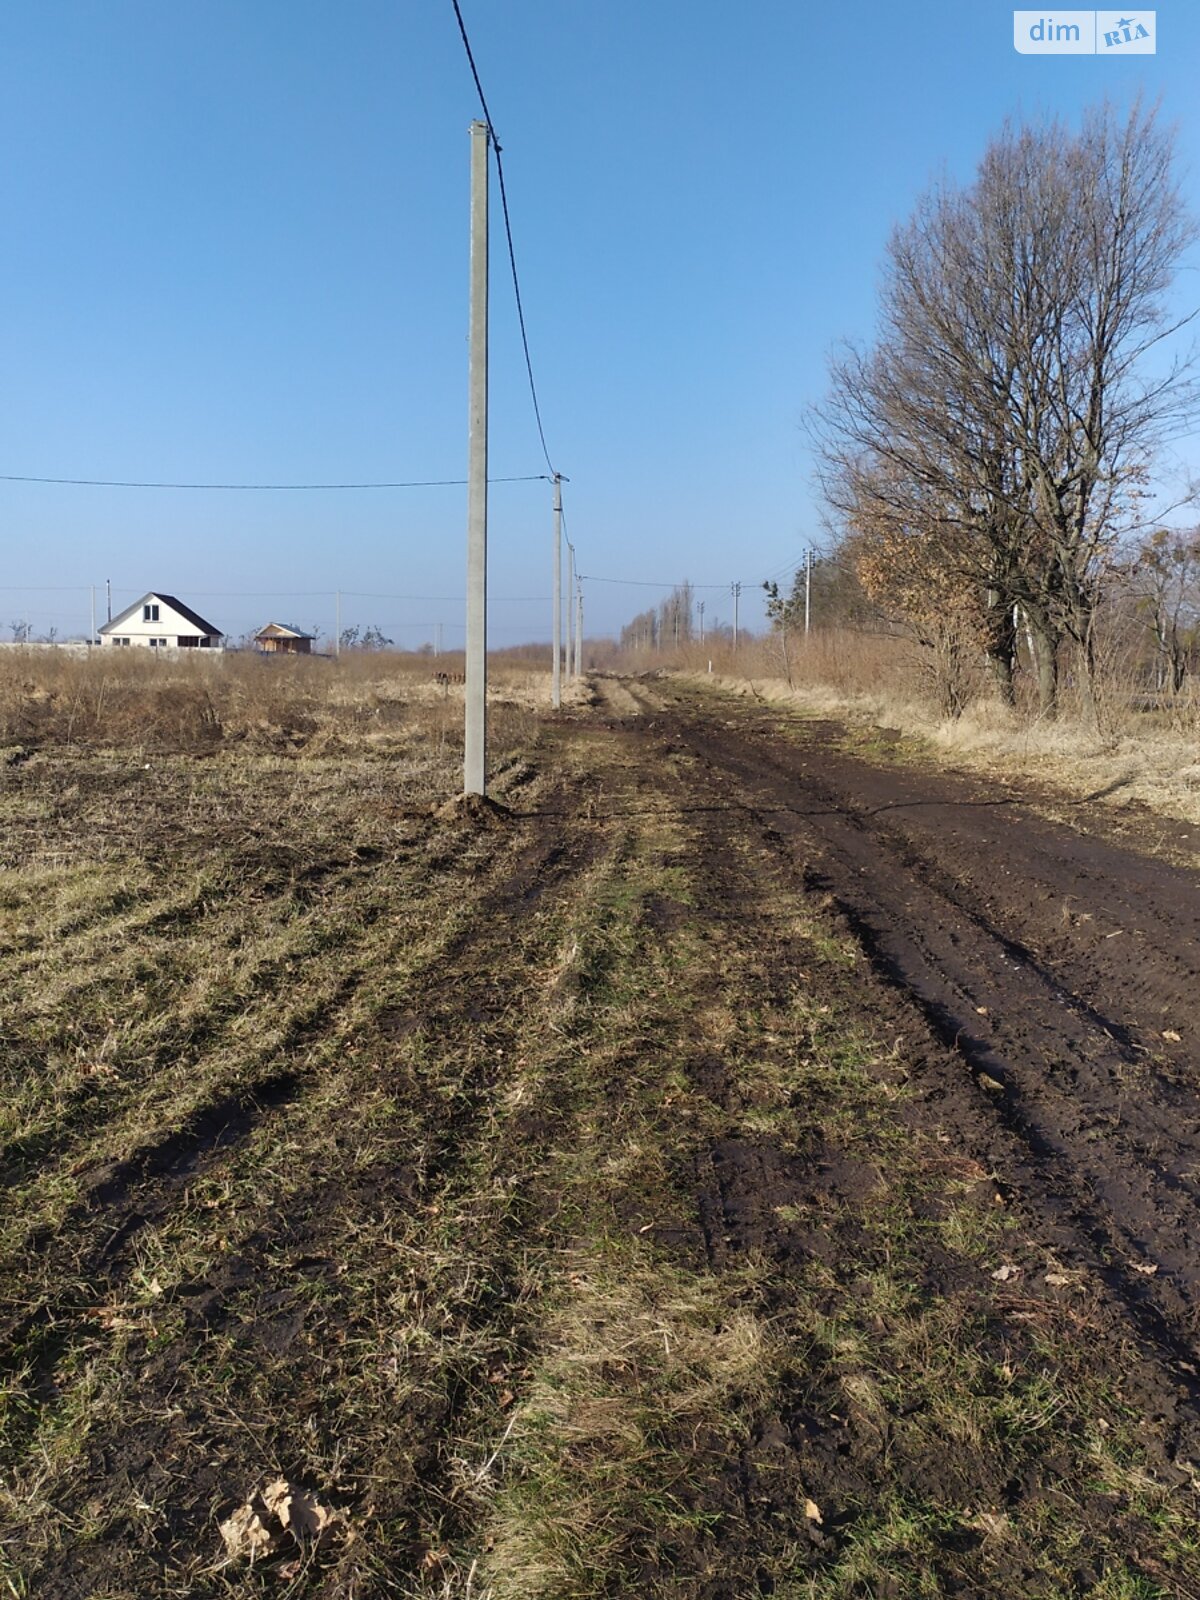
[{"x": 552, "y": 1196}]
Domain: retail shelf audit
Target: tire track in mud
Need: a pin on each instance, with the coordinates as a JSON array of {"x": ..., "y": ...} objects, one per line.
[
  {"x": 1053, "y": 1090},
  {"x": 470, "y": 1001},
  {"x": 99, "y": 1238}
]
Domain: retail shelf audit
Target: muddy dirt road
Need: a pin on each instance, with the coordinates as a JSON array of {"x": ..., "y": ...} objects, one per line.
[
  {"x": 1053, "y": 971},
  {"x": 735, "y": 1163}
]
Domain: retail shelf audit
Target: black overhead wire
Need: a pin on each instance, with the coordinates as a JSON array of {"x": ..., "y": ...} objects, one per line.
[
  {"x": 512, "y": 255},
  {"x": 125, "y": 483},
  {"x": 648, "y": 583}
]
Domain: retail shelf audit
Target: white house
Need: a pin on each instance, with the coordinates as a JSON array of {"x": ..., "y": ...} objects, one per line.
[{"x": 161, "y": 622}]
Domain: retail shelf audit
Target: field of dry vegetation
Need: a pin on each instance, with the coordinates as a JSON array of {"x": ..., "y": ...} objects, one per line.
[{"x": 532, "y": 1200}]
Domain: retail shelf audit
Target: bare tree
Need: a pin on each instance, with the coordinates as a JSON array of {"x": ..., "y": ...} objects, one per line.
[
  {"x": 1167, "y": 576},
  {"x": 1009, "y": 396},
  {"x": 641, "y": 633},
  {"x": 675, "y": 616}
]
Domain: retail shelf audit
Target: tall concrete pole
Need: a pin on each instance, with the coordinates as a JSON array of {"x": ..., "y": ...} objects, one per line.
[
  {"x": 92, "y": 635},
  {"x": 475, "y": 761},
  {"x": 570, "y": 602},
  {"x": 579, "y": 635},
  {"x": 735, "y": 590},
  {"x": 556, "y": 666},
  {"x": 808, "y": 555},
  {"x": 108, "y": 593},
  {"x": 337, "y": 624}
]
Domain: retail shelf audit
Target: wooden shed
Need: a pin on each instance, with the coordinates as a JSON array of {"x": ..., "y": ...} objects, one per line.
[{"x": 278, "y": 639}]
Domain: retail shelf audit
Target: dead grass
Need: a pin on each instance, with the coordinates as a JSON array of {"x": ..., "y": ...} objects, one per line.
[
  {"x": 1126, "y": 751},
  {"x": 135, "y": 702},
  {"x": 1145, "y": 758},
  {"x": 365, "y": 1147}
]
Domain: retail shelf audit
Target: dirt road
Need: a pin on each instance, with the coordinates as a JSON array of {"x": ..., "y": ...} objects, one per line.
[
  {"x": 1043, "y": 976},
  {"x": 735, "y": 1163}
]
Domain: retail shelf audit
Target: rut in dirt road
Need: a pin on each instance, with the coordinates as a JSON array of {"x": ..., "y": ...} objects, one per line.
[{"x": 1049, "y": 961}]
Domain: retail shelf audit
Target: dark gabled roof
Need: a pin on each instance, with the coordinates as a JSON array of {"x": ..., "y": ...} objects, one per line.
[
  {"x": 193, "y": 617},
  {"x": 186, "y": 612}
]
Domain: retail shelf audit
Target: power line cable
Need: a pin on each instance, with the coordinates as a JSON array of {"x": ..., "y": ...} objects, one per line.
[
  {"x": 646, "y": 583},
  {"x": 123, "y": 483},
  {"x": 783, "y": 571},
  {"x": 448, "y": 599},
  {"x": 512, "y": 255},
  {"x": 306, "y": 594}
]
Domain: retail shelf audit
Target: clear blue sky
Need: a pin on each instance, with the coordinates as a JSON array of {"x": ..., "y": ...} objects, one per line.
[{"x": 234, "y": 249}]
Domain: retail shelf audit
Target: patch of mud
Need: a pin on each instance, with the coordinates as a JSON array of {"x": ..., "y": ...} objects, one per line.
[{"x": 1053, "y": 1047}]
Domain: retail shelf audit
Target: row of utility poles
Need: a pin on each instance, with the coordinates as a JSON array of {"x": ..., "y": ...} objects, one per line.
[
  {"x": 475, "y": 758},
  {"x": 571, "y": 601}
]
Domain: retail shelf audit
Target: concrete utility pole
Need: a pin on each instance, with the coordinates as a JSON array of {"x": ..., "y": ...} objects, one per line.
[
  {"x": 700, "y": 608},
  {"x": 808, "y": 560},
  {"x": 92, "y": 635},
  {"x": 579, "y": 635},
  {"x": 570, "y": 602},
  {"x": 108, "y": 593},
  {"x": 337, "y": 624},
  {"x": 735, "y": 590},
  {"x": 475, "y": 761},
  {"x": 556, "y": 667},
  {"x": 437, "y": 638}
]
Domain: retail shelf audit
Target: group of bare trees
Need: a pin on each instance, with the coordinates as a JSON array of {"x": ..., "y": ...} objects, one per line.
[
  {"x": 667, "y": 625},
  {"x": 1166, "y": 588},
  {"x": 992, "y": 454}
]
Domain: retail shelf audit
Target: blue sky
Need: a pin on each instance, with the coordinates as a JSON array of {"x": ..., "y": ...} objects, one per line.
[{"x": 234, "y": 249}]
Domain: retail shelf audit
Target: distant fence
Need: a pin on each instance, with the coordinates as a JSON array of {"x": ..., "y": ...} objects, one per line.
[{"x": 73, "y": 647}]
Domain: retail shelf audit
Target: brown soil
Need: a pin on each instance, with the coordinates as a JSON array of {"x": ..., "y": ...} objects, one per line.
[
  {"x": 1042, "y": 982},
  {"x": 1036, "y": 987}
]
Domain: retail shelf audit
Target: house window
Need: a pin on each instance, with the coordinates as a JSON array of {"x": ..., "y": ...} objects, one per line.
[
  {"x": 157, "y": 644},
  {"x": 120, "y": 641},
  {"x": 149, "y": 613}
]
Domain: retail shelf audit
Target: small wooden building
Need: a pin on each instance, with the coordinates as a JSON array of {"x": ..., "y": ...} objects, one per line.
[{"x": 277, "y": 639}]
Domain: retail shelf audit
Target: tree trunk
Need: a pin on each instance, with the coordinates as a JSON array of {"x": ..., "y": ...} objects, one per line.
[
  {"x": 1000, "y": 673},
  {"x": 787, "y": 664},
  {"x": 1000, "y": 646},
  {"x": 1044, "y": 640}
]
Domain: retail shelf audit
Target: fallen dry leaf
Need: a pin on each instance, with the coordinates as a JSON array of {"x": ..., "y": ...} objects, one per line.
[
  {"x": 272, "y": 1516},
  {"x": 246, "y": 1536},
  {"x": 1146, "y": 1268},
  {"x": 301, "y": 1513},
  {"x": 1169, "y": 1033},
  {"x": 812, "y": 1511},
  {"x": 1056, "y": 1280},
  {"x": 992, "y": 1524},
  {"x": 1004, "y": 1273}
]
